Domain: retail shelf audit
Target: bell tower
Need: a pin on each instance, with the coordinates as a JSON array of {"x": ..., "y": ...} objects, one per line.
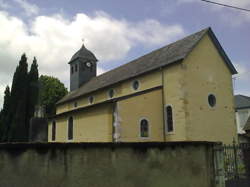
[{"x": 82, "y": 67}]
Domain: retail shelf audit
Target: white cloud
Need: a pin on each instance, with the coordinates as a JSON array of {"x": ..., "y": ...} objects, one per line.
[
  {"x": 29, "y": 9},
  {"x": 54, "y": 39},
  {"x": 242, "y": 71}
]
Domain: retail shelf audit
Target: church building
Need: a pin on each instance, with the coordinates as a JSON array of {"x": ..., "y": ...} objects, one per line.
[{"x": 180, "y": 92}]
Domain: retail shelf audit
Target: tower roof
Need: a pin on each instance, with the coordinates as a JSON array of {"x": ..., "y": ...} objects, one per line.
[{"x": 83, "y": 53}]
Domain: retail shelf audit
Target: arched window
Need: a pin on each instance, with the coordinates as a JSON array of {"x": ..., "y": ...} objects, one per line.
[
  {"x": 169, "y": 119},
  {"x": 53, "y": 131},
  {"x": 70, "y": 128},
  {"x": 144, "y": 128}
]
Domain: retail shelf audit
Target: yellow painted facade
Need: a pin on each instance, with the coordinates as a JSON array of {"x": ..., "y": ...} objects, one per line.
[
  {"x": 92, "y": 125},
  {"x": 184, "y": 86},
  {"x": 146, "y": 81},
  {"x": 148, "y": 106},
  {"x": 206, "y": 73}
]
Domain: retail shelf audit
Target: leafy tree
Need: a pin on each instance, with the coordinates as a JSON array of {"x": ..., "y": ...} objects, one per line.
[
  {"x": 51, "y": 91},
  {"x": 33, "y": 90}
]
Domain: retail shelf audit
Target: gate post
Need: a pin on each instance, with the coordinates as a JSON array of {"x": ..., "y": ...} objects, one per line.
[{"x": 219, "y": 169}]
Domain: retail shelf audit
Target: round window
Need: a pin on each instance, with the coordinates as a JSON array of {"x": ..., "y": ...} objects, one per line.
[
  {"x": 75, "y": 104},
  {"x": 135, "y": 84},
  {"x": 111, "y": 93},
  {"x": 91, "y": 99},
  {"x": 211, "y": 100}
]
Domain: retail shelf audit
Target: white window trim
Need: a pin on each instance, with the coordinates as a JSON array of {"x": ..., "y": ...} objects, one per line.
[
  {"x": 67, "y": 133},
  {"x": 132, "y": 87},
  {"x": 149, "y": 129},
  {"x": 165, "y": 118},
  {"x": 212, "y": 107}
]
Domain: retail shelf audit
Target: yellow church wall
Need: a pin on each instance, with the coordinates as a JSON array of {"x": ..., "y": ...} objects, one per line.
[
  {"x": 91, "y": 125},
  {"x": 206, "y": 73},
  {"x": 146, "y": 81},
  {"x": 174, "y": 96},
  {"x": 132, "y": 110}
]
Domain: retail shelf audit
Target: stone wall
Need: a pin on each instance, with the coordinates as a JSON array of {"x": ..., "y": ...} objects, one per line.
[{"x": 182, "y": 164}]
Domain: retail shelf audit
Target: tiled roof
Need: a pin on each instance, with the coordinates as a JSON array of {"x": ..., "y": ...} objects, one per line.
[
  {"x": 164, "y": 56},
  {"x": 83, "y": 53},
  {"x": 242, "y": 101}
]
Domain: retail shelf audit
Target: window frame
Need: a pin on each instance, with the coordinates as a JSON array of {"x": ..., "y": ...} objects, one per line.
[
  {"x": 108, "y": 93},
  {"x": 149, "y": 131},
  {"x": 75, "y": 104},
  {"x": 71, "y": 117},
  {"x": 132, "y": 85},
  {"x": 166, "y": 120},
  {"x": 90, "y": 99},
  {"x": 53, "y": 131},
  {"x": 211, "y": 94}
]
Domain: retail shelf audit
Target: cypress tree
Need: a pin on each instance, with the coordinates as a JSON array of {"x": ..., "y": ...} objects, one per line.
[
  {"x": 18, "y": 109},
  {"x": 4, "y": 113},
  {"x": 33, "y": 90}
]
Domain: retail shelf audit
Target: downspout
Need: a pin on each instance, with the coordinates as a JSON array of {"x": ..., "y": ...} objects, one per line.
[{"x": 163, "y": 104}]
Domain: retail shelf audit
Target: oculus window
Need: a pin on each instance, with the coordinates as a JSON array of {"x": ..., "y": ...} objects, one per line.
[
  {"x": 135, "y": 84},
  {"x": 211, "y": 100},
  {"x": 144, "y": 128},
  {"x": 75, "y": 104},
  {"x": 91, "y": 99},
  {"x": 111, "y": 93}
]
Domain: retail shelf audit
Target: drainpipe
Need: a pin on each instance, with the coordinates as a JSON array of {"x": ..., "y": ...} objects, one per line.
[{"x": 163, "y": 104}]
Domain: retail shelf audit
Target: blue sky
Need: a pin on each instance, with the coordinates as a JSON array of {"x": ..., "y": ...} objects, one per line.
[{"x": 116, "y": 31}]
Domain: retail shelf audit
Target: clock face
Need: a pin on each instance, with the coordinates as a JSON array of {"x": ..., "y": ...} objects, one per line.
[{"x": 88, "y": 64}]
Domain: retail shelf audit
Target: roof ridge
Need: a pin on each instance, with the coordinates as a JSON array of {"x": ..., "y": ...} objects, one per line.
[
  {"x": 172, "y": 53},
  {"x": 158, "y": 49}
]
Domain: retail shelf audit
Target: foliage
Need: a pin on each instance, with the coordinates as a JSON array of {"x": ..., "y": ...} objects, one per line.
[
  {"x": 33, "y": 89},
  {"x": 19, "y": 103},
  {"x": 26, "y": 92},
  {"x": 18, "y": 107},
  {"x": 4, "y": 111},
  {"x": 51, "y": 91}
]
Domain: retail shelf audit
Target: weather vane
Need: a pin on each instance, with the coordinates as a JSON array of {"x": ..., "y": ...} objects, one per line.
[{"x": 83, "y": 40}]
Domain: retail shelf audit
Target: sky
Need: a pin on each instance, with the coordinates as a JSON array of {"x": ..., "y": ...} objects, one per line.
[{"x": 116, "y": 31}]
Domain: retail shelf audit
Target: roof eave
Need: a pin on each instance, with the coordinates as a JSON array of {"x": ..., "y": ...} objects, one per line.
[{"x": 71, "y": 99}]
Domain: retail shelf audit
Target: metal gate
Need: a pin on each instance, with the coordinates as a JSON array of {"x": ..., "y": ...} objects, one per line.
[{"x": 237, "y": 165}]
